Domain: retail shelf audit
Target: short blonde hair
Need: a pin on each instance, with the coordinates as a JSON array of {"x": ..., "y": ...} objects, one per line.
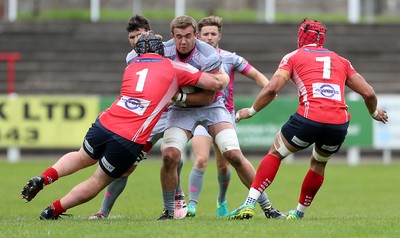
[{"x": 182, "y": 22}]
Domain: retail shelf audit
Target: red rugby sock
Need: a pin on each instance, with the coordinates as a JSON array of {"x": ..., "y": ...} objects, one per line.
[
  {"x": 311, "y": 184},
  {"x": 50, "y": 175},
  {"x": 57, "y": 208},
  {"x": 266, "y": 172}
]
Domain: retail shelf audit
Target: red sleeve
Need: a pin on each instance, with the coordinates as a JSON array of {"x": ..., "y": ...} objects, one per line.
[
  {"x": 350, "y": 68},
  {"x": 287, "y": 63},
  {"x": 186, "y": 74}
]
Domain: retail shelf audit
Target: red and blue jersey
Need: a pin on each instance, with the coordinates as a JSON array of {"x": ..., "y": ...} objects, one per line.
[
  {"x": 320, "y": 76},
  {"x": 148, "y": 84}
]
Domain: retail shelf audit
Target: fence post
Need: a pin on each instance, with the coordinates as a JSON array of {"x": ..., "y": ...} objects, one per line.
[
  {"x": 137, "y": 6},
  {"x": 353, "y": 156},
  {"x": 12, "y": 10},
  {"x": 13, "y": 152},
  {"x": 179, "y": 8},
  {"x": 270, "y": 11},
  {"x": 354, "y": 11},
  {"x": 387, "y": 156},
  {"x": 94, "y": 10}
]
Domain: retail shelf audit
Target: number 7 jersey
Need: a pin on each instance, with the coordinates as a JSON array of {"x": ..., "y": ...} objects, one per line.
[
  {"x": 148, "y": 84},
  {"x": 319, "y": 76}
]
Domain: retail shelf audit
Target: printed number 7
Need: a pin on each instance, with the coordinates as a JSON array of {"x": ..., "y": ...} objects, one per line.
[
  {"x": 142, "y": 77},
  {"x": 327, "y": 66}
]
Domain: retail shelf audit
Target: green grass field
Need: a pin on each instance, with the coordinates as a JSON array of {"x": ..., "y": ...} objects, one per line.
[{"x": 362, "y": 201}]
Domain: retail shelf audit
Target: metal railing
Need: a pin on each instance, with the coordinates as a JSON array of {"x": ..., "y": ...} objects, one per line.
[{"x": 266, "y": 9}]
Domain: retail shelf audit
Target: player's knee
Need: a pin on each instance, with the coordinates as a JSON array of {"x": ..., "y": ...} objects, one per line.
[
  {"x": 224, "y": 170},
  {"x": 227, "y": 140},
  {"x": 130, "y": 170},
  {"x": 171, "y": 155},
  {"x": 235, "y": 157},
  {"x": 176, "y": 138},
  {"x": 280, "y": 146},
  {"x": 320, "y": 158},
  {"x": 201, "y": 162}
]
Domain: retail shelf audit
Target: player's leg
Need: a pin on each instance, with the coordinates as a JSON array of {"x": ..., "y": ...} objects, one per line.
[
  {"x": 226, "y": 138},
  {"x": 80, "y": 194},
  {"x": 118, "y": 185},
  {"x": 180, "y": 202},
  {"x": 174, "y": 142},
  {"x": 201, "y": 143},
  {"x": 325, "y": 146},
  {"x": 115, "y": 153},
  {"x": 224, "y": 178},
  {"x": 179, "y": 190},
  {"x": 113, "y": 190},
  {"x": 281, "y": 148},
  {"x": 66, "y": 165},
  {"x": 265, "y": 175},
  {"x": 312, "y": 182},
  {"x": 158, "y": 133}
]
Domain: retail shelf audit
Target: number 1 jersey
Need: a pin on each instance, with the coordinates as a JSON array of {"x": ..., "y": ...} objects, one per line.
[{"x": 148, "y": 84}]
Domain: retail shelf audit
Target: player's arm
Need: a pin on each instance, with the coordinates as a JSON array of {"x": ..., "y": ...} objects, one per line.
[
  {"x": 213, "y": 81},
  {"x": 267, "y": 94},
  {"x": 257, "y": 77},
  {"x": 357, "y": 83},
  {"x": 206, "y": 96},
  {"x": 200, "y": 98}
]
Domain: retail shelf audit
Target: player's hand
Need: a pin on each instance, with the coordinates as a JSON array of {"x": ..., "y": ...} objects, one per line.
[
  {"x": 382, "y": 116},
  {"x": 175, "y": 97},
  {"x": 242, "y": 114}
]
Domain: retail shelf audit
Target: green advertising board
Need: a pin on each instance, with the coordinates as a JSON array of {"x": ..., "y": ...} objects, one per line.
[
  {"x": 260, "y": 130},
  {"x": 361, "y": 124}
]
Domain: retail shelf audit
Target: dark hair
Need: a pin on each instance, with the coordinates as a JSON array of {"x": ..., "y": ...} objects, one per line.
[
  {"x": 137, "y": 22},
  {"x": 148, "y": 42}
]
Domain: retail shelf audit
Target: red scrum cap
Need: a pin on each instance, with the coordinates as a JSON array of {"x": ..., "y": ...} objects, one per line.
[{"x": 311, "y": 32}]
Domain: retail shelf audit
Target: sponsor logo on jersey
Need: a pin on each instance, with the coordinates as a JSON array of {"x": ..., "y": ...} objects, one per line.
[
  {"x": 317, "y": 50},
  {"x": 299, "y": 142},
  {"x": 148, "y": 60},
  {"x": 136, "y": 105},
  {"x": 88, "y": 146},
  {"x": 107, "y": 165},
  {"x": 330, "y": 147},
  {"x": 324, "y": 90}
]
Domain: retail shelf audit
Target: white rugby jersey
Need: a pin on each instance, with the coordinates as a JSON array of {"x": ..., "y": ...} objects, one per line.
[
  {"x": 232, "y": 62},
  {"x": 203, "y": 57}
]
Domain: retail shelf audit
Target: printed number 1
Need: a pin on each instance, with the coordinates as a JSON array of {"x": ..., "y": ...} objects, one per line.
[
  {"x": 142, "y": 77},
  {"x": 327, "y": 66}
]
